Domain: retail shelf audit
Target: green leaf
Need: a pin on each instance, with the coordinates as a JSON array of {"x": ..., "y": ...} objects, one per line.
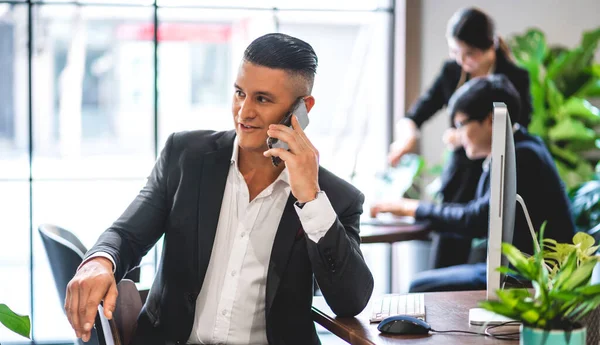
[
  {"x": 499, "y": 308},
  {"x": 580, "y": 276},
  {"x": 595, "y": 70},
  {"x": 590, "y": 39},
  {"x": 19, "y": 324},
  {"x": 566, "y": 271},
  {"x": 537, "y": 126},
  {"x": 592, "y": 251},
  {"x": 579, "y": 108},
  {"x": 583, "y": 240},
  {"x": 590, "y": 89},
  {"x": 555, "y": 98},
  {"x": 582, "y": 145},
  {"x": 569, "y": 69},
  {"x": 571, "y": 129},
  {"x": 531, "y": 316},
  {"x": 506, "y": 270},
  {"x": 567, "y": 156},
  {"x": 529, "y": 47},
  {"x": 562, "y": 295},
  {"x": 518, "y": 260},
  {"x": 589, "y": 290},
  {"x": 573, "y": 176}
]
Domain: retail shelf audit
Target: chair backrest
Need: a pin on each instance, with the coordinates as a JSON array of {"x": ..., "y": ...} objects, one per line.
[
  {"x": 129, "y": 305},
  {"x": 65, "y": 253},
  {"x": 120, "y": 330}
]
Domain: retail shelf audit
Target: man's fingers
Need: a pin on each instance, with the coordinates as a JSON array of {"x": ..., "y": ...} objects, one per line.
[
  {"x": 279, "y": 152},
  {"x": 85, "y": 290},
  {"x": 73, "y": 310},
  {"x": 70, "y": 308},
  {"x": 394, "y": 158},
  {"x": 288, "y": 136},
  {"x": 110, "y": 301},
  {"x": 302, "y": 134}
]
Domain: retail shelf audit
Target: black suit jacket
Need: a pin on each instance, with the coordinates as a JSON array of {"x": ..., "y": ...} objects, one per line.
[
  {"x": 446, "y": 82},
  {"x": 539, "y": 185},
  {"x": 182, "y": 201}
]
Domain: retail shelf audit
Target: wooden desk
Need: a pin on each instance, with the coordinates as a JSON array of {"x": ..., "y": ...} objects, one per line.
[
  {"x": 392, "y": 234},
  {"x": 444, "y": 311}
]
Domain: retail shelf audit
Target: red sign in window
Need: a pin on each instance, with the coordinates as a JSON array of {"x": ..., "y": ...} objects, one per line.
[{"x": 209, "y": 33}]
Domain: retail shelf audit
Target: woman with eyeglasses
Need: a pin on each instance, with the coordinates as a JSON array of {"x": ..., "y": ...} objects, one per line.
[{"x": 476, "y": 51}]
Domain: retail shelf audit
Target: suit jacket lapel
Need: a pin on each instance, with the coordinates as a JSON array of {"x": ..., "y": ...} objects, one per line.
[
  {"x": 284, "y": 240},
  {"x": 215, "y": 168}
]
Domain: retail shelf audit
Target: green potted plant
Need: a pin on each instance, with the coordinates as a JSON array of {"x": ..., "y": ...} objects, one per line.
[
  {"x": 19, "y": 324},
  {"x": 563, "y": 81},
  {"x": 562, "y": 294}
]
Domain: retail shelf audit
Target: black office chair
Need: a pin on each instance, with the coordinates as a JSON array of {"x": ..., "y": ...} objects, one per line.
[{"x": 65, "y": 252}]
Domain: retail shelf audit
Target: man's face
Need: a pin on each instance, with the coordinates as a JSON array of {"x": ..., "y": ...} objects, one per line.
[
  {"x": 261, "y": 97},
  {"x": 475, "y": 135}
]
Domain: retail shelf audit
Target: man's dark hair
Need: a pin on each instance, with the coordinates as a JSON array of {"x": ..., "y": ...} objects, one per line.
[
  {"x": 476, "y": 97},
  {"x": 285, "y": 52}
]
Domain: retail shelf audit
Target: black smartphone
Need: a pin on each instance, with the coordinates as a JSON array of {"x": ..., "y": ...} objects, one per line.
[{"x": 298, "y": 108}]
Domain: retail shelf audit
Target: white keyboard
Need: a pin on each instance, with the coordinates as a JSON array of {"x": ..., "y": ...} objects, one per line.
[{"x": 395, "y": 304}]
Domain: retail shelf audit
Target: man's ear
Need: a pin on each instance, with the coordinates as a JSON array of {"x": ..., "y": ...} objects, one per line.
[
  {"x": 489, "y": 120},
  {"x": 310, "y": 102}
]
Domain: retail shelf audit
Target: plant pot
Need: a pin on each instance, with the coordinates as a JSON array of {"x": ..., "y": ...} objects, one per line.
[{"x": 537, "y": 336}]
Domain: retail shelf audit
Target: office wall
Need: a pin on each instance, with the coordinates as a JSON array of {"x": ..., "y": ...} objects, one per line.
[{"x": 562, "y": 21}]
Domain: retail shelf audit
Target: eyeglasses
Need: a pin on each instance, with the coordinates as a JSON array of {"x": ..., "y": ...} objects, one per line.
[{"x": 463, "y": 123}]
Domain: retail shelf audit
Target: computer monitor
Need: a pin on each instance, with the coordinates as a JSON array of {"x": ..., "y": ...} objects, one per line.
[
  {"x": 503, "y": 196},
  {"x": 503, "y": 199}
]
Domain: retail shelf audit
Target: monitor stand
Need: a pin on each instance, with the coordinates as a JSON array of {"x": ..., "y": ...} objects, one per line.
[{"x": 480, "y": 316}]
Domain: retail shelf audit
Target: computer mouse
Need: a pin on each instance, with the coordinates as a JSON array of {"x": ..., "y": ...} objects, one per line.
[{"x": 403, "y": 324}]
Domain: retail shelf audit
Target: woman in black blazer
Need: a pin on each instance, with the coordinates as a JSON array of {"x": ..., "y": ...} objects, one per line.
[{"x": 475, "y": 51}]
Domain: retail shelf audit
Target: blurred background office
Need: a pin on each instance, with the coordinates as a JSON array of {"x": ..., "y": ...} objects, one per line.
[{"x": 90, "y": 90}]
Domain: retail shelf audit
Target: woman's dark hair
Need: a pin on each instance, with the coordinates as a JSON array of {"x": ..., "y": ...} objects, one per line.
[
  {"x": 477, "y": 29},
  {"x": 477, "y": 96},
  {"x": 285, "y": 52}
]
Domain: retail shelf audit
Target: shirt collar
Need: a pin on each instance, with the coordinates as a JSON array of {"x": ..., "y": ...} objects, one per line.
[
  {"x": 284, "y": 176},
  {"x": 486, "y": 163}
]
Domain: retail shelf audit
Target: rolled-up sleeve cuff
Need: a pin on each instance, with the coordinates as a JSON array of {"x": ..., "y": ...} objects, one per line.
[
  {"x": 99, "y": 255},
  {"x": 316, "y": 216}
]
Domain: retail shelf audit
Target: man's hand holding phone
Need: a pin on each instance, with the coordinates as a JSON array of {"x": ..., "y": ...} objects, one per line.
[{"x": 302, "y": 159}]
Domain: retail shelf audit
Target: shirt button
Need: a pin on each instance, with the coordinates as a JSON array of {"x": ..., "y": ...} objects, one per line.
[
  {"x": 243, "y": 234},
  {"x": 224, "y": 312},
  {"x": 233, "y": 273}
]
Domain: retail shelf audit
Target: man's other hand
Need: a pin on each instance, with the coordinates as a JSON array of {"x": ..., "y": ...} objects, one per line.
[
  {"x": 94, "y": 282},
  {"x": 403, "y": 207},
  {"x": 407, "y": 134}
]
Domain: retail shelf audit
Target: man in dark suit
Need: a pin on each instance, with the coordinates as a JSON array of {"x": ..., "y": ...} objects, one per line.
[
  {"x": 538, "y": 183},
  {"x": 243, "y": 238}
]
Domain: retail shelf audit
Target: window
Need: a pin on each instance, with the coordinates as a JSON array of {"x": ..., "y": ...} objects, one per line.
[
  {"x": 14, "y": 254},
  {"x": 92, "y": 92},
  {"x": 81, "y": 138},
  {"x": 14, "y": 118}
]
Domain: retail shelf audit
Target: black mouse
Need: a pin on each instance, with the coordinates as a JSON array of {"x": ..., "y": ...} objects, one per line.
[{"x": 403, "y": 324}]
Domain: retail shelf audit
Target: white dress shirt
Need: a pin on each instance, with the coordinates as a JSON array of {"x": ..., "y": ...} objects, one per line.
[{"x": 230, "y": 308}]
